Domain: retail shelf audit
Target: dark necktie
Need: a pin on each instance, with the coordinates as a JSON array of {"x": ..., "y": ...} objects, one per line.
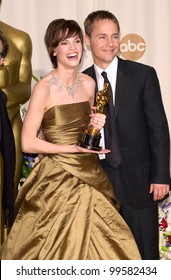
[{"x": 111, "y": 140}]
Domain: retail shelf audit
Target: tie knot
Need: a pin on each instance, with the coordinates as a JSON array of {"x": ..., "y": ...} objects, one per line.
[{"x": 104, "y": 74}]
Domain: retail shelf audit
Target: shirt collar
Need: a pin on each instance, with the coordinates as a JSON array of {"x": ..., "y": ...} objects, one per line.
[{"x": 110, "y": 70}]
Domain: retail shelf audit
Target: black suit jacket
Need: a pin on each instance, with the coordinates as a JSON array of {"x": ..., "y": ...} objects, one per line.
[
  {"x": 7, "y": 148},
  {"x": 142, "y": 130}
]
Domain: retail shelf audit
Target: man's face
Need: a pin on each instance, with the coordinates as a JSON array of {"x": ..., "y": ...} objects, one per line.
[
  {"x": 103, "y": 42},
  {"x": 1, "y": 58}
]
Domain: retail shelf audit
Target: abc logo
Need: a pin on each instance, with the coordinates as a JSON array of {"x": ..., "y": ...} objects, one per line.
[{"x": 132, "y": 47}]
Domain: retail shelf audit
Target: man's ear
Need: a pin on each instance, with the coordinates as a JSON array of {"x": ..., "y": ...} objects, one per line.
[{"x": 87, "y": 40}]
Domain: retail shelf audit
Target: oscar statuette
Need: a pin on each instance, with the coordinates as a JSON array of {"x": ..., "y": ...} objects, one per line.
[{"x": 90, "y": 138}]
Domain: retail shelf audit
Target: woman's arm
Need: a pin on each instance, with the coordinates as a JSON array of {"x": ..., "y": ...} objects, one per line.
[{"x": 32, "y": 122}]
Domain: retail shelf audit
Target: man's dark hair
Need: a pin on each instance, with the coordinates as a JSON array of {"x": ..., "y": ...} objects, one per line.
[
  {"x": 98, "y": 16},
  {"x": 4, "y": 44}
]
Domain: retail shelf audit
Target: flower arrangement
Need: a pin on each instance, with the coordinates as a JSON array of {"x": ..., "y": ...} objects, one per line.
[
  {"x": 36, "y": 79},
  {"x": 165, "y": 229},
  {"x": 29, "y": 160}
]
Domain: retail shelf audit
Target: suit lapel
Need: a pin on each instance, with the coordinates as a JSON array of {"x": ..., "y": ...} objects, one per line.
[
  {"x": 93, "y": 75},
  {"x": 123, "y": 83}
]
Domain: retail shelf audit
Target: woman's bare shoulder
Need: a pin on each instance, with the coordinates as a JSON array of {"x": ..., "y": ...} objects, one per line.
[
  {"x": 87, "y": 80},
  {"x": 86, "y": 77},
  {"x": 43, "y": 82}
]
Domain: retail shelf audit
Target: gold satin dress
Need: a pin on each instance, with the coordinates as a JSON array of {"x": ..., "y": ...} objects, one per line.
[{"x": 66, "y": 208}]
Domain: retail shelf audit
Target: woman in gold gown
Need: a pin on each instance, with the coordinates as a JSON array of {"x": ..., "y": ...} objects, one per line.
[{"x": 66, "y": 210}]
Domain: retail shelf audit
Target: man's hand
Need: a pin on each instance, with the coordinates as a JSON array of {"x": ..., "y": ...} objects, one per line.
[{"x": 159, "y": 191}]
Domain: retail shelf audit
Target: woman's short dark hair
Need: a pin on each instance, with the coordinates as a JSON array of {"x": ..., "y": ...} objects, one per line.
[{"x": 57, "y": 31}]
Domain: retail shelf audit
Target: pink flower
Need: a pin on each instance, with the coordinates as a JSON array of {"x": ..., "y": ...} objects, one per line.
[
  {"x": 169, "y": 239},
  {"x": 163, "y": 224}
]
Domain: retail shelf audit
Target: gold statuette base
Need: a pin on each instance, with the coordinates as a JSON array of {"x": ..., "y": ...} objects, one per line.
[{"x": 90, "y": 139}]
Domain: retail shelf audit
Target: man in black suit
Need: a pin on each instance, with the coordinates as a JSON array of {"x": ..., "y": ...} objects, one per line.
[
  {"x": 139, "y": 170},
  {"x": 7, "y": 149}
]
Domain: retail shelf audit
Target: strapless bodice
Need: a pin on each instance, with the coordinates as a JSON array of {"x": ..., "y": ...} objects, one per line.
[{"x": 64, "y": 123}]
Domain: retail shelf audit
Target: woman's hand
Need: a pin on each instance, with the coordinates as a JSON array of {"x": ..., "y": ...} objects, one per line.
[
  {"x": 97, "y": 120},
  {"x": 79, "y": 149}
]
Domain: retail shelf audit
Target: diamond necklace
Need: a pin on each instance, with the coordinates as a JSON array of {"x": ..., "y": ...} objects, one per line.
[{"x": 70, "y": 89}]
